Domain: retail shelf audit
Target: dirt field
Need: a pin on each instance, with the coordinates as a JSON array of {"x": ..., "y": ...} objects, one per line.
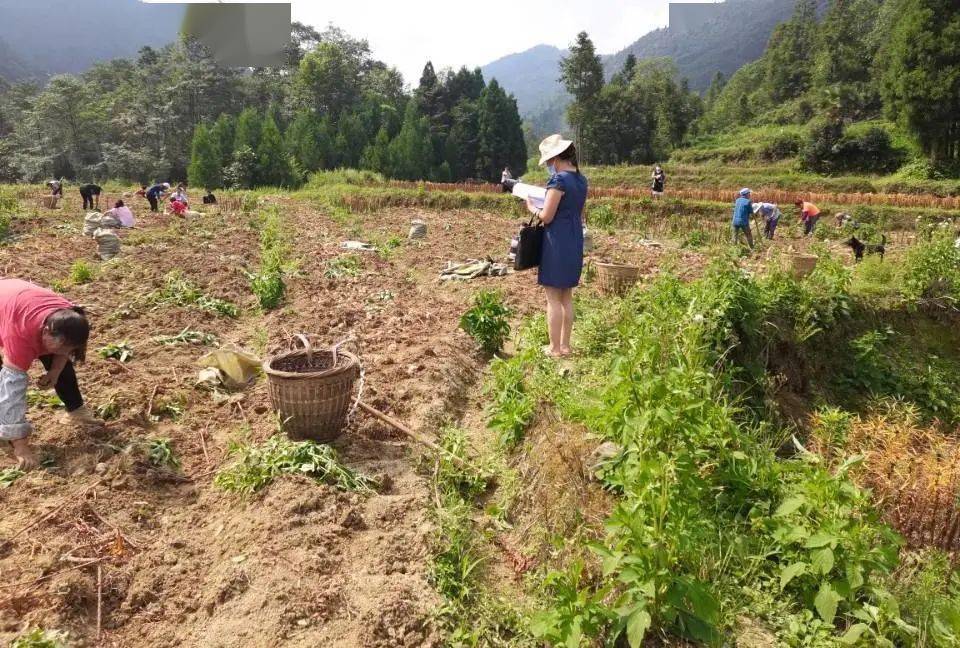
[{"x": 183, "y": 563}]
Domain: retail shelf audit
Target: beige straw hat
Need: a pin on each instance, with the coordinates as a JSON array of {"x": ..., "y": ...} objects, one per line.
[{"x": 553, "y": 146}]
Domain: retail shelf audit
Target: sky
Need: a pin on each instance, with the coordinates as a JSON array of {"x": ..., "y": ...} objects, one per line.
[{"x": 451, "y": 33}]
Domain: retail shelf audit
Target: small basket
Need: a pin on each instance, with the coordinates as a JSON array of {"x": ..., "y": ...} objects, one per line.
[
  {"x": 802, "y": 265},
  {"x": 615, "y": 278},
  {"x": 312, "y": 390}
]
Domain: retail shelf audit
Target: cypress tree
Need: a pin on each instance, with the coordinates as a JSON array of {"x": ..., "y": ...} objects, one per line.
[
  {"x": 223, "y": 133},
  {"x": 273, "y": 164},
  {"x": 247, "y": 130},
  {"x": 205, "y": 166}
]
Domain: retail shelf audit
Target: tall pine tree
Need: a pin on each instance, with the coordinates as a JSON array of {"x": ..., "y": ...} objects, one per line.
[
  {"x": 273, "y": 163},
  {"x": 582, "y": 75},
  {"x": 205, "y": 161},
  {"x": 248, "y": 130}
]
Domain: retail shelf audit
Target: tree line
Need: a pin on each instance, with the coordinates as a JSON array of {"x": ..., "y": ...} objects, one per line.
[{"x": 172, "y": 113}]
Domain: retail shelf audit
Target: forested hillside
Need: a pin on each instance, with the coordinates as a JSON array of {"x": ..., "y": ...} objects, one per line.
[
  {"x": 56, "y": 36},
  {"x": 333, "y": 105}
]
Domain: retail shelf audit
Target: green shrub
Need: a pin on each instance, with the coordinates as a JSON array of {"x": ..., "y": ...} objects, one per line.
[
  {"x": 512, "y": 408},
  {"x": 931, "y": 270},
  {"x": 487, "y": 321}
]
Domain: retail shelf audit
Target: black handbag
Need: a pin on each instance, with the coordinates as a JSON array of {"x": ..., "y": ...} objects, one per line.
[{"x": 529, "y": 246}]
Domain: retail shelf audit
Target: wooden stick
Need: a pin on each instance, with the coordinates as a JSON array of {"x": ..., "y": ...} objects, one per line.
[
  {"x": 413, "y": 435},
  {"x": 153, "y": 395},
  {"x": 66, "y": 501},
  {"x": 203, "y": 444},
  {"x": 99, "y": 599}
]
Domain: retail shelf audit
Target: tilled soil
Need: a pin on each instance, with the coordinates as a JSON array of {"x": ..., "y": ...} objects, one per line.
[{"x": 182, "y": 563}]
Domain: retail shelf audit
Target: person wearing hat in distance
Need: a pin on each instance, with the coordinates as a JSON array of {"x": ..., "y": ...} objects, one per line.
[
  {"x": 771, "y": 216},
  {"x": 742, "y": 210},
  {"x": 38, "y": 324},
  {"x": 562, "y": 257},
  {"x": 809, "y": 215},
  {"x": 155, "y": 193}
]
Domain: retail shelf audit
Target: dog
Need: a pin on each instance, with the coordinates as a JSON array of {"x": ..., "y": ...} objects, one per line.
[{"x": 860, "y": 248}]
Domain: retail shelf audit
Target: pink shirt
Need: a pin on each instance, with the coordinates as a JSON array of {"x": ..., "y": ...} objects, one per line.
[{"x": 24, "y": 308}]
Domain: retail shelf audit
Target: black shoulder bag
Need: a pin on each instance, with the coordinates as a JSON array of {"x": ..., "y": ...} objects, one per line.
[{"x": 529, "y": 245}]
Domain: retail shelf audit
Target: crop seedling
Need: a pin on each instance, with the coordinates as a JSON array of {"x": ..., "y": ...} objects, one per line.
[
  {"x": 10, "y": 475},
  {"x": 343, "y": 266},
  {"x": 255, "y": 466},
  {"x": 487, "y": 321},
  {"x": 268, "y": 286},
  {"x": 160, "y": 454},
  {"x": 108, "y": 411},
  {"x": 81, "y": 272},
  {"x": 121, "y": 352}
]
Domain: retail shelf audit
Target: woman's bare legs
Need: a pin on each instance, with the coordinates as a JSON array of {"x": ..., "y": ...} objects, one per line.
[
  {"x": 554, "y": 319},
  {"x": 567, "y": 330}
]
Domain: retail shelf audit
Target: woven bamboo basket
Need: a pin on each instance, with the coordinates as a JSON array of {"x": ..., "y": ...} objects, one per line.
[
  {"x": 615, "y": 278},
  {"x": 802, "y": 265},
  {"x": 49, "y": 202},
  {"x": 312, "y": 390}
]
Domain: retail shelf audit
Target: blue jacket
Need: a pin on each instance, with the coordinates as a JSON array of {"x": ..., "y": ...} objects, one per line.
[{"x": 742, "y": 209}]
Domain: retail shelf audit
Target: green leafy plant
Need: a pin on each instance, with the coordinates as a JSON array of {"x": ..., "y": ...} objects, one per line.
[
  {"x": 512, "y": 408},
  {"x": 108, "y": 411},
  {"x": 10, "y": 475},
  {"x": 178, "y": 291},
  {"x": 43, "y": 399},
  {"x": 121, "y": 352},
  {"x": 697, "y": 238},
  {"x": 81, "y": 272},
  {"x": 348, "y": 265},
  {"x": 255, "y": 466},
  {"x": 487, "y": 321},
  {"x": 160, "y": 454},
  {"x": 38, "y": 638}
]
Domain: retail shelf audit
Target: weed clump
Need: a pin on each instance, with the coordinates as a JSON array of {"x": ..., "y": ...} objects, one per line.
[{"x": 178, "y": 291}]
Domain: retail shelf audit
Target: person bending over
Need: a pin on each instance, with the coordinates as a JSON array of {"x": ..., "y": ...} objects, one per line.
[
  {"x": 38, "y": 324},
  {"x": 91, "y": 195}
]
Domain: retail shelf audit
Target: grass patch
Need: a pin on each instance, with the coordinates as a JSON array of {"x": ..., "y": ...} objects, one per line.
[{"x": 81, "y": 272}]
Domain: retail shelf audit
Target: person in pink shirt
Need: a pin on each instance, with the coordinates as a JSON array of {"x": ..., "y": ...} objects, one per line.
[
  {"x": 38, "y": 324},
  {"x": 122, "y": 213}
]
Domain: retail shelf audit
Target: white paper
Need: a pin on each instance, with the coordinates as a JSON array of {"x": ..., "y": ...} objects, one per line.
[{"x": 537, "y": 194}]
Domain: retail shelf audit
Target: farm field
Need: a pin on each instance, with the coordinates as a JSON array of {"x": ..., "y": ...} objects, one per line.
[{"x": 701, "y": 435}]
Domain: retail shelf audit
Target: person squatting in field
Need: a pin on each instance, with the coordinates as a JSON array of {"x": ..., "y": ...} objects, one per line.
[
  {"x": 742, "y": 210},
  {"x": 122, "y": 214},
  {"x": 91, "y": 195},
  {"x": 562, "y": 216},
  {"x": 771, "y": 217},
  {"x": 38, "y": 324},
  {"x": 809, "y": 215}
]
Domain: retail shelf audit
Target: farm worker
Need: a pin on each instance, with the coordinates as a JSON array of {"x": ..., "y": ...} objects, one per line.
[
  {"x": 36, "y": 323},
  {"x": 771, "y": 216},
  {"x": 506, "y": 180},
  {"x": 209, "y": 199},
  {"x": 659, "y": 179},
  {"x": 742, "y": 209},
  {"x": 122, "y": 214},
  {"x": 809, "y": 215},
  {"x": 142, "y": 191},
  {"x": 155, "y": 193},
  {"x": 88, "y": 192},
  {"x": 562, "y": 215},
  {"x": 180, "y": 195},
  {"x": 56, "y": 187},
  {"x": 179, "y": 208}
]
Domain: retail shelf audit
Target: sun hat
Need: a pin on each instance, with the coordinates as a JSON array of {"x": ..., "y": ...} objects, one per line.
[
  {"x": 166, "y": 184},
  {"x": 552, "y": 146},
  {"x": 745, "y": 192}
]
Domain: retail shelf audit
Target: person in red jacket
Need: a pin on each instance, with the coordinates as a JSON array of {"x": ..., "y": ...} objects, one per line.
[{"x": 38, "y": 324}]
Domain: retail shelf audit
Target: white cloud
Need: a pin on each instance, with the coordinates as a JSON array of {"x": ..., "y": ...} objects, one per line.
[{"x": 408, "y": 34}]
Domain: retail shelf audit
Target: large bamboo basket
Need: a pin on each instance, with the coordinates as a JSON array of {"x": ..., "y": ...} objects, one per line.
[
  {"x": 312, "y": 390},
  {"x": 615, "y": 278}
]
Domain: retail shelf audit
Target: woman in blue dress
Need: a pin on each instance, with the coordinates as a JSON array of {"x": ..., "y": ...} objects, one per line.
[{"x": 562, "y": 217}]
